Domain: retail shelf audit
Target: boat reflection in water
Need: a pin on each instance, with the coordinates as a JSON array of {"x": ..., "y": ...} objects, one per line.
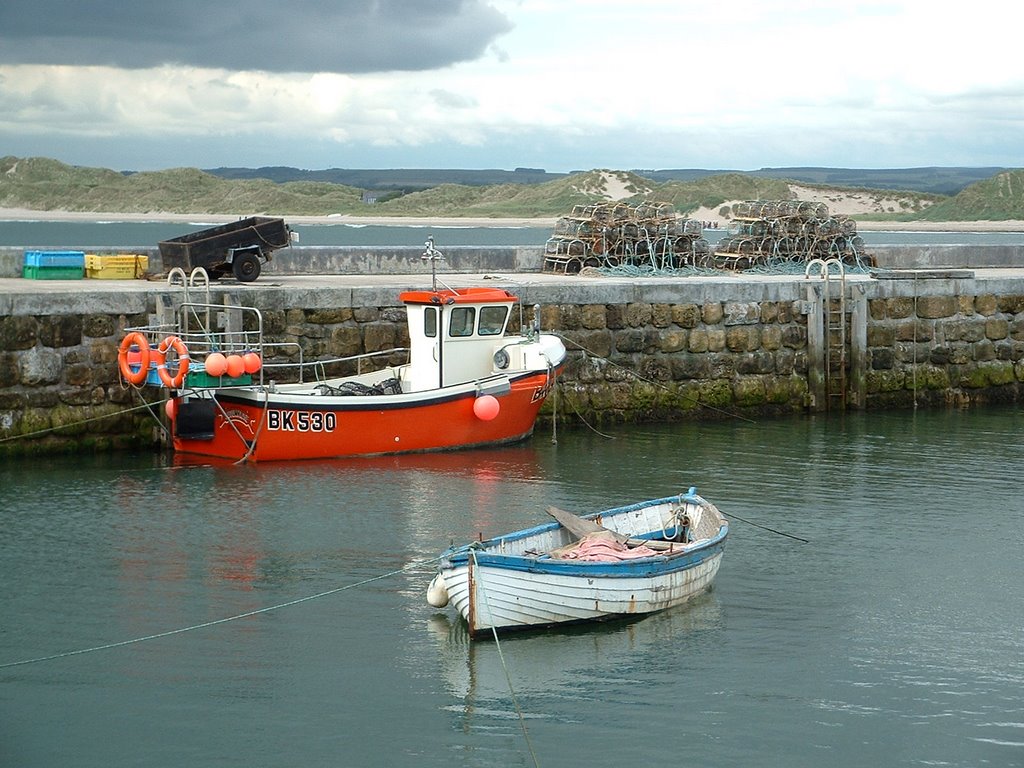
[
  {"x": 514, "y": 462},
  {"x": 557, "y": 662},
  {"x": 418, "y": 480}
]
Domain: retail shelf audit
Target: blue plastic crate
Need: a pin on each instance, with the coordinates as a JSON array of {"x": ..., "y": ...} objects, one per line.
[{"x": 74, "y": 259}]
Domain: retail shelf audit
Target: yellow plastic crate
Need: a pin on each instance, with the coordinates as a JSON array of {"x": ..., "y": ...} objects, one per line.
[{"x": 123, "y": 266}]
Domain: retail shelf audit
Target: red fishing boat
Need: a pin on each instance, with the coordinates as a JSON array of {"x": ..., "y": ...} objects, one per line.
[{"x": 466, "y": 382}]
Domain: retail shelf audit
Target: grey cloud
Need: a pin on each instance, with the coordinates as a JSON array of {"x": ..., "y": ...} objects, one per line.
[
  {"x": 453, "y": 100},
  {"x": 343, "y": 36}
]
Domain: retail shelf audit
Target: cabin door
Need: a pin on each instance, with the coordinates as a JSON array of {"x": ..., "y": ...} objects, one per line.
[{"x": 425, "y": 346}]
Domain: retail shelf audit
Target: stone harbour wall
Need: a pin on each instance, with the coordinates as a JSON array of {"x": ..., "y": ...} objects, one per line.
[
  {"x": 960, "y": 348},
  {"x": 652, "y": 361},
  {"x": 640, "y": 350},
  {"x": 59, "y": 386}
]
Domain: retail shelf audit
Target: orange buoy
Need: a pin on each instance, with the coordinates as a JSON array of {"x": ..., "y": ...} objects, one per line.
[
  {"x": 253, "y": 362},
  {"x": 216, "y": 364},
  {"x": 172, "y": 342},
  {"x": 171, "y": 407},
  {"x": 235, "y": 366},
  {"x": 486, "y": 407},
  {"x": 126, "y": 366}
]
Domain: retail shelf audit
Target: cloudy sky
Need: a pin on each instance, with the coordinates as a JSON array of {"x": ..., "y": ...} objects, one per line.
[{"x": 555, "y": 84}]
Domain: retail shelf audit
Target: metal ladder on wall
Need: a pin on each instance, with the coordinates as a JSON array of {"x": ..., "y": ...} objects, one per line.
[
  {"x": 834, "y": 319},
  {"x": 197, "y": 278}
]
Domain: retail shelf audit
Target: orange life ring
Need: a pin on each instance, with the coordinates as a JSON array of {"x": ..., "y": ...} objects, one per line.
[
  {"x": 139, "y": 376},
  {"x": 160, "y": 355}
]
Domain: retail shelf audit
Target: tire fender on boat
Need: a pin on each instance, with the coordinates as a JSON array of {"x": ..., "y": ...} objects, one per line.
[
  {"x": 437, "y": 592},
  {"x": 172, "y": 342},
  {"x": 123, "y": 363}
]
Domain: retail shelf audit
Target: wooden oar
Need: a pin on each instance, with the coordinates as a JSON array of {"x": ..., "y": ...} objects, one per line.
[{"x": 580, "y": 527}]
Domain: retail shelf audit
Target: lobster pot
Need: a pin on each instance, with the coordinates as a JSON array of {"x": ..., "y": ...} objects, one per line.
[
  {"x": 788, "y": 230},
  {"x": 619, "y": 234}
]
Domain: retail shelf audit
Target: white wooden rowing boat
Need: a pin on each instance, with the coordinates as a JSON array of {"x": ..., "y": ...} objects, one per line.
[{"x": 630, "y": 560}]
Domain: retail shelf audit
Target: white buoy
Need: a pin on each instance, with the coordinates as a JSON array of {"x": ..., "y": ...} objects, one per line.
[{"x": 437, "y": 592}]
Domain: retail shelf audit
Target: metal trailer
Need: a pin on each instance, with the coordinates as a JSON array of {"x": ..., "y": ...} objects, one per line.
[{"x": 239, "y": 248}]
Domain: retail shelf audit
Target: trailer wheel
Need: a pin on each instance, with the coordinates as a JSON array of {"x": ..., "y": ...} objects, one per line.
[{"x": 246, "y": 267}]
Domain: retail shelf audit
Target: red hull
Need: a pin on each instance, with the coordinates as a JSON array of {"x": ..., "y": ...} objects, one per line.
[{"x": 354, "y": 426}]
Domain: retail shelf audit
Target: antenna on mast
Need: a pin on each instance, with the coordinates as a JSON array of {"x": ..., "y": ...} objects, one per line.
[{"x": 432, "y": 255}]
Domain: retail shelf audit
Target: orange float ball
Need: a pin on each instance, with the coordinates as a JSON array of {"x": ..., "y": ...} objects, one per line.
[
  {"x": 171, "y": 406},
  {"x": 235, "y": 366},
  {"x": 486, "y": 407},
  {"x": 252, "y": 362},
  {"x": 216, "y": 364}
]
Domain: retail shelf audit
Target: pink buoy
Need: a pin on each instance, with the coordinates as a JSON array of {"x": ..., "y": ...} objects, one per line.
[
  {"x": 486, "y": 407},
  {"x": 216, "y": 364},
  {"x": 235, "y": 366},
  {"x": 171, "y": 407}
]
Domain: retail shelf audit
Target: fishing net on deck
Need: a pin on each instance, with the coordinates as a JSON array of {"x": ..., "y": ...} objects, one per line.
[{"x": 601, "y": 547}]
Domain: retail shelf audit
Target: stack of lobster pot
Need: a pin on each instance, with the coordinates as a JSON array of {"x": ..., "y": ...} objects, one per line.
[
  {"x": 771, "y": 233},
  {"x": 613, "y": 234}
]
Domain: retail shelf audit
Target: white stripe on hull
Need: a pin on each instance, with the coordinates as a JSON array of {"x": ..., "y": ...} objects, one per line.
[{"x": 507, "y": 598}]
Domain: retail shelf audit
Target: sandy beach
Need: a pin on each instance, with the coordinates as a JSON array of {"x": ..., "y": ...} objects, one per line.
[{"x": 24, "y": 214}]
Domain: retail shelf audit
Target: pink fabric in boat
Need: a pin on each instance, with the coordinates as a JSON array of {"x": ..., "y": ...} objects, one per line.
[{"x": 604, "y": 549}]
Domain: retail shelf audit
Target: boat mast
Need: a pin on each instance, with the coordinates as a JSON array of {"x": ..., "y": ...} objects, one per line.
[{"x": 432, "y": 255}]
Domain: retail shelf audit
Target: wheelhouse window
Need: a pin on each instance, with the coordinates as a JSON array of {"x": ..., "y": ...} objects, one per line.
[
  {"x": 492, "y": 320},
  {"x": 461, "y": 323},
  {"x": 430, "y": 322}
]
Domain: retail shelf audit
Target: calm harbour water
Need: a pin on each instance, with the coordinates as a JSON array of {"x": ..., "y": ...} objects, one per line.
[{"x": 895, "y": 637}]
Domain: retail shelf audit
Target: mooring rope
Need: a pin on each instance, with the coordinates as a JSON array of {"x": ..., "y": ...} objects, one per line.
[
  {"x": 554, "y": 404},
  {"x": 589, "y": 426},
  {"x": 156, "y": 416},
  {"x": 504, "y": 666},
  {"x": 38, "y": 432},
  {"x": 411, "y": 567},
  {"x": 259, "y": 429},
  {"x": 766, "y": 528}
]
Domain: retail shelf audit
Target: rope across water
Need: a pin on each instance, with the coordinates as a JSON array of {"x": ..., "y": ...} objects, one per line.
[{"x": 411, "y": 567}]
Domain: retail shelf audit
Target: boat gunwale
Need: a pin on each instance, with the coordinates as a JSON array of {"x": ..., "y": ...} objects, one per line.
[
  {"x": 257, "y": 396},
  {"x": 686, "y": 556},
  {"x": 632, "y": 568}
]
